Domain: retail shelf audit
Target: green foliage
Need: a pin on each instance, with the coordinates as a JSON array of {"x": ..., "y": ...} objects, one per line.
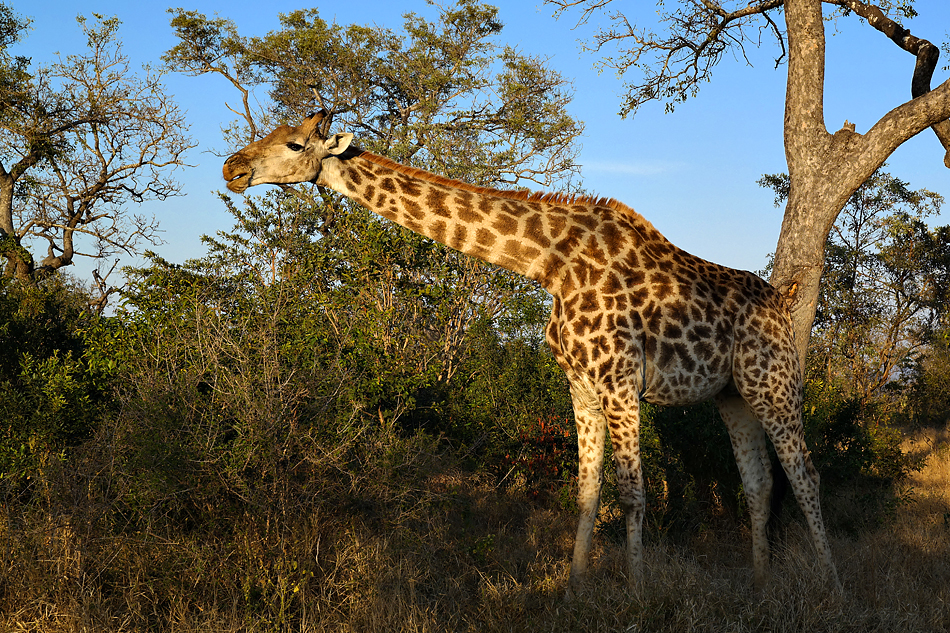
[
  {"x": 696, "y": 461},
  {"x": 53, "y": 390},
  {"x": 247, "y": 372},
  {"x": 851, "y": 441},
  {"x": 858, "y": 451},
  {"x": 929, "y": 402},
  {"x": 440, "y": 94},
  {"x": 14, "y": 75}
]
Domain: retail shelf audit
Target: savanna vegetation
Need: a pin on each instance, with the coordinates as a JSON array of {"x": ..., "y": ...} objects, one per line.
[{"x": 327, "y": 423}]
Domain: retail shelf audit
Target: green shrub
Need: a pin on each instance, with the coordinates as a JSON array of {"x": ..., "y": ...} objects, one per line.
[{"x": 52, "y": 390}]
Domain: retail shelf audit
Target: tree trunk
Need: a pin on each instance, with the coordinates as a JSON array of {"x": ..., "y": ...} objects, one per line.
[
  {"x": 17, "y": 261},
  {"x": 825, "y": 169}
]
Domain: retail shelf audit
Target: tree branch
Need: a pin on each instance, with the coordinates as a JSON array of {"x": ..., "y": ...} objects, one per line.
[{"x": 926, "y": 53}]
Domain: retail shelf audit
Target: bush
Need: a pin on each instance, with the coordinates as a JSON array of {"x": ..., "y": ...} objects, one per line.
[
  {"x": 53, "y": 390},
  {"x": 859, "y": 456}
]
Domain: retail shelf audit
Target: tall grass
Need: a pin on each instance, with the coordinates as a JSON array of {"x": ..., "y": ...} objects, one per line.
[{"x": 441, "y": 548}]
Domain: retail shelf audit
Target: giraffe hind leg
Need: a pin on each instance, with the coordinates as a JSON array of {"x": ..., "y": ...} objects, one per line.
[
  {"x": 788, "y": 437},
  {"x": 748, "y": 444}
]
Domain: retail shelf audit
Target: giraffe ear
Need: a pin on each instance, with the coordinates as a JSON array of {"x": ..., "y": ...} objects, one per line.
[{"x": 338, "y": 143}]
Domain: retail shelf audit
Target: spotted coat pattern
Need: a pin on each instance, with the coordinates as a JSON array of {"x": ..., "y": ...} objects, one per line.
[{"x": 634, "y": 318}]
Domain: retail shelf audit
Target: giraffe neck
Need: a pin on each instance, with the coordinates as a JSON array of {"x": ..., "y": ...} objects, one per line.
[{"x": 536, "y": 236}]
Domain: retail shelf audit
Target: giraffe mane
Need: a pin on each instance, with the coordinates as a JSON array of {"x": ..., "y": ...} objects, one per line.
[{"x": 524, "y": 195}]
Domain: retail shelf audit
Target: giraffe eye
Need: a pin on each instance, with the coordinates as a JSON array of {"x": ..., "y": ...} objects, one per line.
[{"x": 294, "y": 147}]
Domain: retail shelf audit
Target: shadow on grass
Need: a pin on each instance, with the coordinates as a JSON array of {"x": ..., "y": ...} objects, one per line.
[{"x": 443, "y": 549}]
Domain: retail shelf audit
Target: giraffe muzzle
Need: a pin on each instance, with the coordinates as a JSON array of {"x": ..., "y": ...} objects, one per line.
[{"x": 238, "y": 174}]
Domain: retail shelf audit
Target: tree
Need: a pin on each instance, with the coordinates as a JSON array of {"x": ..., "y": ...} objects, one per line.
[
  {"x": 80, "y": 139},
  {"x": 825, "y": 168},
  {"x": 884, "y": 289},
  {"x": 443, "y": 96}
]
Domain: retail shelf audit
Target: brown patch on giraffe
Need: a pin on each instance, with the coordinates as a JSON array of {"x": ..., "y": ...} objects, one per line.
[
  {"x": 485, "y": 237},
  {"x": 590, "y": 301},
  {"x": 553, "y": 266},
  {"x": 435, "y": 202},
  {"x": 514, "y": 208},
  {"x": 466, "y": 211},
  {"x": 585, "y": 219},
  {"x": 676, "y": 311},
  {"x": 593, "y": 253},
  {"x": 459, "y": 236},
  {"x": 408, "y": 186},
  {"x": 534, "y": 230},
  {"x": 556, "y": 226},
  {"x": 662, "y": 285},
  {"x": 571, "y": 240},
  {"x": 599, "y": 348},
  {"x": 505, "y": 224},
  {"x": 437, "y": 230},
  {"x": 413, "y": 209},
  {"x": 584, "y": 325},
  {"x": 519, "y": 251},
  {"x": 579, "y": 354},
  {"x": 614, "y": 240},
  {"x": 612, "y": 284},
  {"x": 606, "y": 368},
  {"x": 672, "y": 331},
  {"x": 685, "y": 358},
  {"x": 639, "y": 296}
]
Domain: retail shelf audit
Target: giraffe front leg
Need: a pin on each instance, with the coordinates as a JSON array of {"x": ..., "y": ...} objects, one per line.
[
  {"x": 591, "y": 433},
  {"x": 624, "y": 426}
]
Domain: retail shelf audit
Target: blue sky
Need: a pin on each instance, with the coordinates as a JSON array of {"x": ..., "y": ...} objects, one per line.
[{"x": 692, "y": 173}]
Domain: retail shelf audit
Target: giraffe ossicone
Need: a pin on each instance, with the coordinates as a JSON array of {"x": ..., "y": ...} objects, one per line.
[{"x": 634, "y": 318}]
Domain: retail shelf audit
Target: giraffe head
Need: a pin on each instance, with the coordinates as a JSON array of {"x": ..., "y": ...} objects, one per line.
[{"x": 285, "y": 156}]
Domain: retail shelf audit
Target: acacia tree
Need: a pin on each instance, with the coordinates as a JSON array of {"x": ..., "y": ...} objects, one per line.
[
  {"x": 825, "y": 168},
  {"x": 441, "y": 95},
  {"x": 884, "y": 290},
  {"x": 80, "y": 139}
]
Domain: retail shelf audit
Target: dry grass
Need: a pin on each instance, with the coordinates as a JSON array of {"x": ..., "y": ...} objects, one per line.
[{"x": 464, "y": 556}]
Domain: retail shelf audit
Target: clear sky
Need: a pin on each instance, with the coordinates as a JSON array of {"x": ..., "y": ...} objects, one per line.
[{"x": 692, "y": 173}]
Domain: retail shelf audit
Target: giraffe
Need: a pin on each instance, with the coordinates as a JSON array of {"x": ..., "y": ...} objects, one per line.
[{"x": 633, "y": 318}]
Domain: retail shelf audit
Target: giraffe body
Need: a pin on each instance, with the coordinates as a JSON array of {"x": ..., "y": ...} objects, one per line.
[{"x": 633, "y": 318}]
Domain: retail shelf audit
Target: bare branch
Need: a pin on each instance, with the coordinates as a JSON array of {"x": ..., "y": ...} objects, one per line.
[
  {"x": 673, "y": 65},
  {"x": 87, "y": 136}
]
